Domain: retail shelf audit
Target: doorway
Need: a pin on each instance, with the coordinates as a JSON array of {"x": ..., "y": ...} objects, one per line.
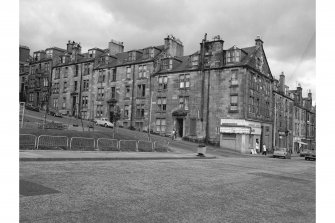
[{"x": 180, "y": 127}]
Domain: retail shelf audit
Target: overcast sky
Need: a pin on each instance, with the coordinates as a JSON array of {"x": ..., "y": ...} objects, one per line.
[{"x": 287, "y": 27}]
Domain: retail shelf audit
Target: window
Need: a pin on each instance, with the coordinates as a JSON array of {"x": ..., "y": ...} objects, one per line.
[
  {"x": 126, "y": 112},
  {"x": 140, "y": 111},
  {"x": 75, "y": 85},
  {"x": 195, "y": 59},
  {"x": 99, "y": 110},
  {"x": 64, "y": 103},
  {"x": 84, "y": 114},
  {"x": 152, "y": 53},
  {"x": 84, "y": 101},
  {"x": 47, "y": 67},
  {"x": 66, "y": 72},
  {"x": 49, "y": 53},
  {"x": 237, "y": 55},
  {"x": 55, "y": 88},
  {"x": 161, "y": 103},
  {"x": 85, "y": 85},
  {"x": 65, "y": 87},
  {"x": 113, "y": 92},
  {"x": 128, "y": 72},
  {"x": 127, "y": 91},
  {"x": 162, "y": 82},
  {"x": 233, "y": 102},
  {"x": 101, "y": 78},
  {"x": 57, "y": 73},
  {"x": 131, "y": 56},
  {"x": 184, "y": 81},
  {"x": 184, "y": 102},
  {"x": 165, "y": 64},
  {"x": 101, "y": 94},
  {"x": 77, "y": 70},
  {"x": 142, "y": 71},
  {"x": 145, "y": 53},
  {"x": 141, "y": 90},
  {"x": 45, "y": 82},
  {"x": 86, "y": 69},
  {"x": 230, "y": 56},
  {"x": 170, "y": 64},
  {"x": 160, "y": 124},
  {"x": 91, "y": 53},
  {"x": 63, "y": 59},
  {"x": 31, "y": 97},
  {"x": 251, "y": 104},
  {"x": 114, "y": 75},
  {"x": 55, "y": 103}
]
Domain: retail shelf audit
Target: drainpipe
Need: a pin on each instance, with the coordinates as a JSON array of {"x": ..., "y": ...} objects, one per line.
[
  {"x": 203, "y": 78},
  {"x": 132, "y": 99},
  {"x": 207, "y": 112},
  {"x": 274, "y": 123}
]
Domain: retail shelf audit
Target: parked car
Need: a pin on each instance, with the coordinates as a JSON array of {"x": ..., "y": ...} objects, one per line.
[
  {"x": 55, "y": 113},
  {"x": 282, "y": 152},
  {"x": 305, "y": 152},
  {"x": 32, "y": 108},
  {"x": 103, "y": 122},
  {"x": 311, "y": 155}
]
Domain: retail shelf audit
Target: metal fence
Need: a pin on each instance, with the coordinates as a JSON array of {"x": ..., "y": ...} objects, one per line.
[
  {"x": 46, "y": 142},
  {"x": 52, "y": 142},
  {"x": 82, "y": 143},
  {"x": 27, "y": 141},
  {"x": 105, "y": 144},
  {"x": 128, "y": 145},
  {"x": 145, "y": 146}
]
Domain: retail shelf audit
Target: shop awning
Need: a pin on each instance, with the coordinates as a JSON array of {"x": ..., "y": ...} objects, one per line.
[{"x": 302, "y": 143}]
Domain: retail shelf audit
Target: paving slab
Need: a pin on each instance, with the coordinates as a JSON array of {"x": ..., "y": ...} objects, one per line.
[{"x": 53, "y": 155}]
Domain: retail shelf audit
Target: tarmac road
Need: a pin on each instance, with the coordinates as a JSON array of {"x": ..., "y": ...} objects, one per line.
[{"x": 229, "y": 189}]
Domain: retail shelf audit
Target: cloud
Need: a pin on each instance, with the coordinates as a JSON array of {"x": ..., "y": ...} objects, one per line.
[{"x": 287, "y": 27}]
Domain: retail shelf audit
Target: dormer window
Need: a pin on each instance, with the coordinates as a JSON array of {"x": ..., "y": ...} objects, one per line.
[
  {"x": 152, "y": 53},
  {"x": 195, "y": 60},
  {"x": 170, "y": 64},
  {"x": 165, "y": 64},
  {"x": 145, "y": 53},
  {"x": 91, "y": 53},
  {"x": 49, "y": 53},
  {"x": 233, "y": 55},
  {"x": 131, "y": 56}
]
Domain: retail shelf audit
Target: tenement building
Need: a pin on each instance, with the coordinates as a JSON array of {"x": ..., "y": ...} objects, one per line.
[
  {"x": 38, "y": 90},
  {"x": 283, "y": 107},
  {"x": 25, "y": 58},
  {"x": 222, "y": 95}
]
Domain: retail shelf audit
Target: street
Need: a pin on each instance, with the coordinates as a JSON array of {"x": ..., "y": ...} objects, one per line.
[{"x": 229, "y": 189}]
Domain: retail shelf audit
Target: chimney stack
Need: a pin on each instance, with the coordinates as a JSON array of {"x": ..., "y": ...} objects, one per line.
[
  {"x": 282, "y": 82},
  {"x": 115, "y": 47},
  {"x": 258, "y": 41}
]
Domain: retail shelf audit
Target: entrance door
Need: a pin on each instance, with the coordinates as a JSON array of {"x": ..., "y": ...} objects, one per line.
[{"x": 180, "y": 128}]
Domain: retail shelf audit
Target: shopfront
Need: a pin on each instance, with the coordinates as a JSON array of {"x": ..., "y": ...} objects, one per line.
[{"x": 239, "y": 135}]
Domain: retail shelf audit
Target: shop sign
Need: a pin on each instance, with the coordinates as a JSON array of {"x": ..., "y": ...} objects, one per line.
[
  {"x": 238, "y": 130},
  {"x": 255, "y": 131}
]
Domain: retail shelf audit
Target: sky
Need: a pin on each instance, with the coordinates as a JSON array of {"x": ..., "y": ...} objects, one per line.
[{"x": 287, "y": 27}]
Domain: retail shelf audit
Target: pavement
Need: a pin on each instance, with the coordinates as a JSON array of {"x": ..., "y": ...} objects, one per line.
[{"x": 56, "y": 155}]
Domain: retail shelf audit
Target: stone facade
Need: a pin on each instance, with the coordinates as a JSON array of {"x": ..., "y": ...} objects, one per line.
[{"x": 224, "y": 96}]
